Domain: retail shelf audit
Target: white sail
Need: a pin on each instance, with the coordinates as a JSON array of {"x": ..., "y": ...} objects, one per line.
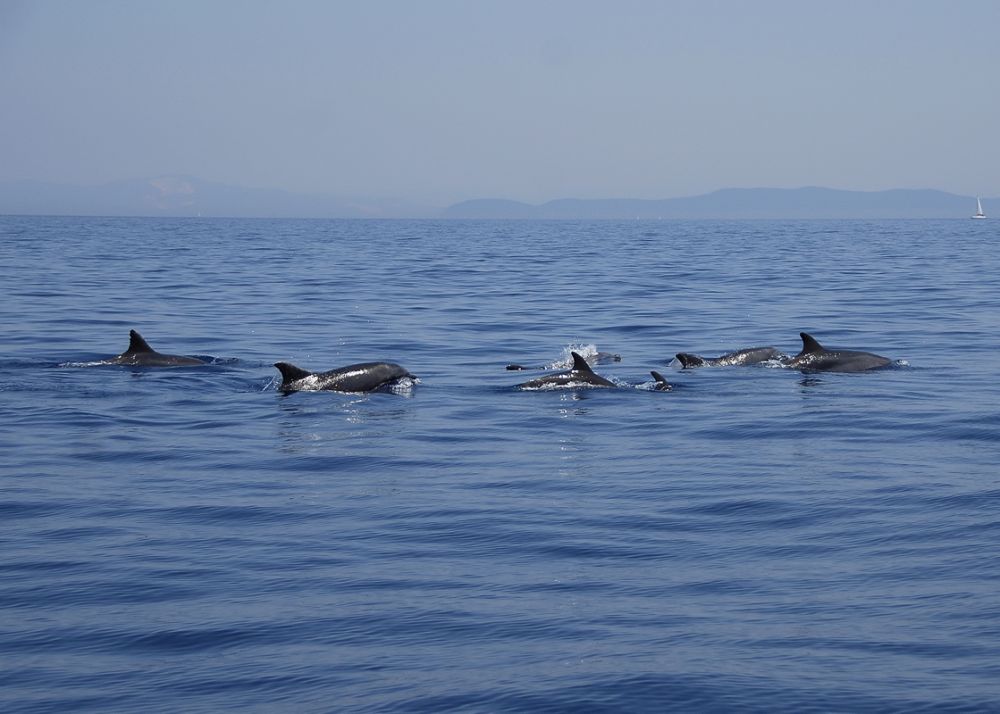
[{"x": 979, "y": 209}]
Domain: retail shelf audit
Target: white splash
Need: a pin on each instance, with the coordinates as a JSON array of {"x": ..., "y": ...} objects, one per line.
[{"x": 565, "y": 360}]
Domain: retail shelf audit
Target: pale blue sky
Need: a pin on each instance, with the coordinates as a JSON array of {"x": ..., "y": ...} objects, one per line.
[{"x": 444, "y": 100}]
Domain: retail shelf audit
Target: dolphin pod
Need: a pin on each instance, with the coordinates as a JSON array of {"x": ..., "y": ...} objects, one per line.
[{"x": 373, "y": 376}]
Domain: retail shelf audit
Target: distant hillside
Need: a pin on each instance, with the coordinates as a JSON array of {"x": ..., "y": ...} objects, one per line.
[
  {"x": 736, "y": 203},
  {"x": 188, "y": 196}
]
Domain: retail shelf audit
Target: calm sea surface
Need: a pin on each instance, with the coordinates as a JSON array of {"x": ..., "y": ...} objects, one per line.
[{"x": 758, "y": 539}]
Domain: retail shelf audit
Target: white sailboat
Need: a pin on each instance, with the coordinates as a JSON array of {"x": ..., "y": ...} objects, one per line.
[{"x": 979, "y": 209}]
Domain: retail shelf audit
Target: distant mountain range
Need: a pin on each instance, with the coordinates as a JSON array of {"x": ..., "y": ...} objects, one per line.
[
  {"x": 188, "y": 196},
  {"x": 740, "y": 203}
]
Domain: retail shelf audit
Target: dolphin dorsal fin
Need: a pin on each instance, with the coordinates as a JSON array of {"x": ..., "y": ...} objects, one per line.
[
  {"x": 580, "y": 364},
  {"x": 137, "y": 344},
  {"x": 809, "y": 343},
  {"x": 290, "y": 373}
]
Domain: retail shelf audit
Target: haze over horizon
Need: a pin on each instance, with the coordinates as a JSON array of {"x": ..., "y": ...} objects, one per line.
[{"x": 444, "y": 101}]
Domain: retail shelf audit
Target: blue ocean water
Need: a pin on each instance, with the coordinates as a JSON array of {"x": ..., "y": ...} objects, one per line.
[{"x": 757, "y": 539}]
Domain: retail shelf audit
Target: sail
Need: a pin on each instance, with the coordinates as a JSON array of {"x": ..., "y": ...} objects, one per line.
[{"x": 979, "y": 209}]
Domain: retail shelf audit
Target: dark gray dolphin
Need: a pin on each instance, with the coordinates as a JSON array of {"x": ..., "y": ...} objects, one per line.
[
  {"x": 816, "y": 358},
  {"x": 579, "y": 375},
  {"x": 140, "y": 354},
  {"x": 750, "y": 355},
  {"x": 362, "y": 377}
]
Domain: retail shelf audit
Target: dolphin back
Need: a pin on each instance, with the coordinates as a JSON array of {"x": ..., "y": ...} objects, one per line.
[
  {"x": 364, "y": 377},
  {"x": 140, "y": 354}
]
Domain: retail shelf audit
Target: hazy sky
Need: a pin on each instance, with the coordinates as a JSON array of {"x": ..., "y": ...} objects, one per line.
[{"x": 444, "y": 100}]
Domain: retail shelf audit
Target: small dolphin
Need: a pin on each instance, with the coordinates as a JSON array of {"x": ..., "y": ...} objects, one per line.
[
  {"x": 362, "y": 377},
  {"x": 140, "y": 354},
  {"x": 750, "y": 355},
  {"x": 602, "y": 358},
  {"x": 579, "y": 375},
  {"x": 596, "y": 358},
  {"x": 816, "y": 358}
]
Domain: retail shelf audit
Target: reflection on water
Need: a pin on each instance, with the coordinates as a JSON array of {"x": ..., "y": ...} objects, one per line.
[
  {"x": 576, "y": 395},
  {"x": 305, "y": 422}
]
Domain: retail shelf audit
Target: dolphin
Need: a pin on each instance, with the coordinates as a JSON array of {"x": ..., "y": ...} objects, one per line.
[
  {"x": 662, "y": 385},
  {"x": 361, "y": 377},
  {"x": 603, "y": 358},
  {"x": 580, "y": 375},
  {"x": 140, "y": 354},
  {"x": 816, "y": 358},
  {"x": 596, "y": 358},
  {"x": 750, "y": 355}
]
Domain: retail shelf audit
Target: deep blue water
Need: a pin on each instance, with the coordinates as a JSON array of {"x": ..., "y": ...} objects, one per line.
[{"x": 758, "y": 539}]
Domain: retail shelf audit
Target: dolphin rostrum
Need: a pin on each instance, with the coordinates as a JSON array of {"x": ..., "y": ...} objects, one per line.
[
  {"x": 580, "y": 375},
  {"x": 140, "y": 354},
  {"x": 361, "y": 377},
  {"x": 814, "y": 357},
  {"x": 750, "y": 355}
]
